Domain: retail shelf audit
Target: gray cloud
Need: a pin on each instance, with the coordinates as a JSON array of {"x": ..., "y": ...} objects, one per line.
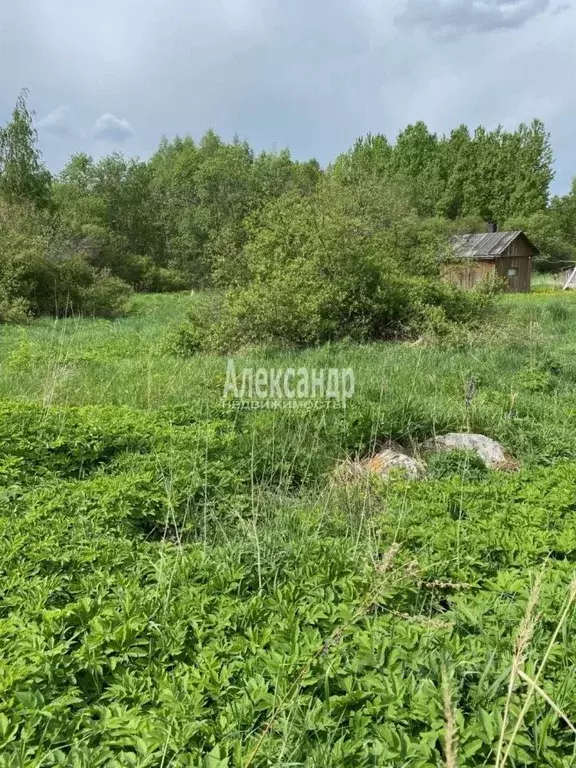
[
  {"x": 112, "y": 128},
  {"x": 58, "y": 122},
  {"x": 311, "y": 76},
  {"x": 451, "y": 18}
]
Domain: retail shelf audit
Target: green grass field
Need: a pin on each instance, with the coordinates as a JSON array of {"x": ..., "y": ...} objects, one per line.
[{"x": 181, "y": 584}]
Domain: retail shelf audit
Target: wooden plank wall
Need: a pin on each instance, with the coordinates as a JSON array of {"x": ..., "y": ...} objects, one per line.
[
  {"x": 468, "y": 275},
  {"x": 518, "y": 256}
]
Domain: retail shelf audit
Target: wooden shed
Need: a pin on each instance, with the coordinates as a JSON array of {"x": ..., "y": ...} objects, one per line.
[{"x": 478, "y": 256}]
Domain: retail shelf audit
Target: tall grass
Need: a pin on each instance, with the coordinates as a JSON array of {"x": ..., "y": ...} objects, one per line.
[{"x": 402, "y": 392}]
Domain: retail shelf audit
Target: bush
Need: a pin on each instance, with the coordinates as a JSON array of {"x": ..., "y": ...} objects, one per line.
[
  {"x": 163, "y": 280},
  {"x": 200, "y": 329},
  {"x": 343, "y": 263},
  {"x": 142, "y": 273},
  {"x": 41, "y": 274},
  {"x": 14, "y": 310},
  {"x": 106, "y": 296}
]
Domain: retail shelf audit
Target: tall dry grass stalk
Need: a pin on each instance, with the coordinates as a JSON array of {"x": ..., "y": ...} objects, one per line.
[
  {"x": 523, "y": 638},
  {"x": 450, "y": 728},
  {"x": 533, "y": 683}
]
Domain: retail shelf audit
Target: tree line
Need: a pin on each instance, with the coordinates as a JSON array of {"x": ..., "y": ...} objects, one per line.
[{"x": 186, "y": 217}]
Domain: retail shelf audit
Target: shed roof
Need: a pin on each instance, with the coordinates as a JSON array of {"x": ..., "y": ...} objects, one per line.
[{"x": 487, "y": 245}]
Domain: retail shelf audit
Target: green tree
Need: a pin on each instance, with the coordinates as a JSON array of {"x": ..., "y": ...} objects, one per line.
[
  {"x": 417, "y": 159},
  {"x": 370, "y": 156},
  {"x": 532, "y": 160},
  {"x": 106, "y": 206},
  {"x": 23, "y": 175},
  {"x": 509, "y": 173},
  {"x": 204, "y": 192},
  {"x": 553, "y": 230},
  {"x": 456, "y": 158}
]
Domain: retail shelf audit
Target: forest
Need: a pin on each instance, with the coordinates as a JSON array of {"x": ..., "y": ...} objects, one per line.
[{"x": 199, "y": 214}]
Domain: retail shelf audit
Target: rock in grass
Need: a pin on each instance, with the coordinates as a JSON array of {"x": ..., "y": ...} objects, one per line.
[
  {"x": 389, "y": 462},
  {"x": 491, "y": 452}
]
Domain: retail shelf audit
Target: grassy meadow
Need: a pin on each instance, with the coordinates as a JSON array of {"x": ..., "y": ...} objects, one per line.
[{"x": 182, "y": 584}]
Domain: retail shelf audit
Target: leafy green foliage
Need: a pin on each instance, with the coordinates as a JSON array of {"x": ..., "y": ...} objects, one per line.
[
  {"x": 180, "y": 583},
  {"x": 42, "y": 274},
  {"x": 341, "y": 263},
  {"x": 466, "y": 465},
  {"x": 492, "y": 174},
  {"x": 192, "y": 215},
  {"x": 554, "y": 232},
  {"x": 203, "y": 192},
  {"x": 23, "y": 176},
  {"x": 118, "y": 647}
]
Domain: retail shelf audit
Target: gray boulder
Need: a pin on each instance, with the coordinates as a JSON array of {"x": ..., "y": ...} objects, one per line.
[
  {"x": 491, "y": 452},
  {"x": 389, "y": 462}
]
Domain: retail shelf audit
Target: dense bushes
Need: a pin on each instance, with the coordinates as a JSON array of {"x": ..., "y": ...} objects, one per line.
[
  {"x": 193, "y": 215},
  {"x": 339, "y": 263},
  {"x": 186, "y": 208},
  {"x": 40, "y": 273},
  {"x": 44, "y": 268},
  {"x": 173, "y": 221},
  {"x": 306, "y": 255}
]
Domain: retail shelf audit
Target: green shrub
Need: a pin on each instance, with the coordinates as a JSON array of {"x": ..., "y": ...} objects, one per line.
[
  {"x": 164, "y": 280},
  {"x": 41, "y": 274},
  {"x": 106, "y": 296},
  {"x": 201, "y": 326},
  {"x": 14, "y": 310},
  {"x": 342, "y": 263},
  {"x": 141, "y": 272}
]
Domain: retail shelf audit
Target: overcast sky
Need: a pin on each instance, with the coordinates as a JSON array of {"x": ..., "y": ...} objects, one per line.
[{"x": 311, "y": 75}]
